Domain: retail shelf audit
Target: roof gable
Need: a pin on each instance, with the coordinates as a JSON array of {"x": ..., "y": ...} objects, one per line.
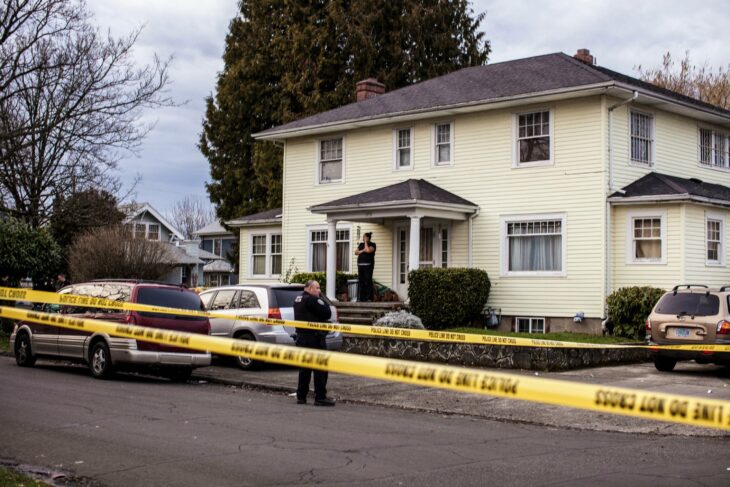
[{"x": 134, "y": 211}]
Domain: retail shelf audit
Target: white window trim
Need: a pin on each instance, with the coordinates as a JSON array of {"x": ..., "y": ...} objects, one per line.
[
  {"x": 504, "y": 244},
  {"x": 395, "y": 148},
  {"x": 318, "y": 154},
  {"x": 516, "y": 164},
  {"x": 721, "y": 218},
  {"x": 450, "y": 162},
  {"x": 531, "y": 318},
  {"x": 652, "y": 155},
  {"x": 314, "y": 228},
  {"x": 268, "y": 254},
  {"x": 712, "y": 150},
  {"x": 630, "y": 216}
]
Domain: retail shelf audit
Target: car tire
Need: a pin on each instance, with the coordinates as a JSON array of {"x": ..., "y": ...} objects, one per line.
[
  {"x": 664, "y": 364},
  {"x": 245, "y": 363},
  {"x": 180, "y": 375},
  {"x": 100, "y": 361},
  {"x": 23, "y": 353}
]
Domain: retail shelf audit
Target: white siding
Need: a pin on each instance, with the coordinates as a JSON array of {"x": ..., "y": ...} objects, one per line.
[
  {"x": 697, "y": 269},
  {"x": 244, "y": 252}
]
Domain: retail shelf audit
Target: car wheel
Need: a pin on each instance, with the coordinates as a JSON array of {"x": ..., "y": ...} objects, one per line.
[
  {"x": 246, "y": 363},
  {"x": 23, "y": 353},
  {"x": 664, "y": 364},
  {"x": 179, "y": 375},
  {"x": 100, "y": 361}
]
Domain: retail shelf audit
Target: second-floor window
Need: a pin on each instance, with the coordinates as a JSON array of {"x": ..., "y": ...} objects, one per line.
[
  {"x": 403, "y": 152},
  {"x": 153, "y": 231},
  {"x": 642, "y": 138},
  {"x": 714, "y": 148},
  {"x": 218, "y": 247},
  {"x": 443, "y": 144},
  {"x": 140, "y": 230},
  {"x": 330, "y": 160},
  {"x": 533, "y": 137}
]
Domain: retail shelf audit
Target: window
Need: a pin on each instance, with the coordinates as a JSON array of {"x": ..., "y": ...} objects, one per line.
[
  {"x": 425, "y": 252},
  {"x": 533, "y": 245},
  {"x": 533, "y": 137},
  {"x": 531, "y": 325},
  {"x": 248, "y": 300},
  {"x": 330, "y": 160},
  {"x": 403, "y": 139},
  {"x": 258, "y": 255},
  {"x": 140, "y": 230},
  {"x": 646, "y": 234},
  {"x": 444, "y": 248},
  {"x": 153, "y": 231},
  {"x": 218, "y": 247},
  {"x": 318, "y": 250},
  {"x": 714, "y": 231},
  {"x": 713, "y": 149},
  {"x": 223, "y": 300},
  {"x": 642, "y": 138},
  {"x": 276, "y": 254},
  {"x": 443, "y": 142}
]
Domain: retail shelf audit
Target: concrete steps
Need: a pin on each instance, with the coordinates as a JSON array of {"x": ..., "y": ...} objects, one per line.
[{"x": 365, "y": 313}]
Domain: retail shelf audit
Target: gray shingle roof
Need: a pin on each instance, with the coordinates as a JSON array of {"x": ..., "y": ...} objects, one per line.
[
  {"x": 409, "y": 191},
  {"x": 213, "y": 228},
  {"x": 268, "y": 216},
  {"x": 534, "y": 75},
  {"x": 656, "y": 184}
]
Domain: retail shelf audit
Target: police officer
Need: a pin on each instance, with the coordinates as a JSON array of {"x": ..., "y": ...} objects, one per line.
[{"x": 310, "y": 307}]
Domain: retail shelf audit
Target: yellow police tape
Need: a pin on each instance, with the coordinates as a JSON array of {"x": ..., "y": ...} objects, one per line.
[
  {"x": 45, "y": 297},
  {"x": 628, "y": 402}
]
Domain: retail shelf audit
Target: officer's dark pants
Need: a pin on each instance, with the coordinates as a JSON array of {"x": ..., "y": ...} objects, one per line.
[
  {"x": 312, "y": 340},
  {"x": 365, "y": 282}
]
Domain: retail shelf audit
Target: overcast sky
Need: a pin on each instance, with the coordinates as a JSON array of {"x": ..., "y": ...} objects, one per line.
[{"x": 620, "y": 34}]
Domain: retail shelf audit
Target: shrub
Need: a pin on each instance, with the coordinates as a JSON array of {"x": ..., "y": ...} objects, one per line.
[
  {"x": 321, "y": 278},
  {"x": 446, "y": 298},
  {"x": 400, "y": 319},
  {"x": 628, "y": 309}
]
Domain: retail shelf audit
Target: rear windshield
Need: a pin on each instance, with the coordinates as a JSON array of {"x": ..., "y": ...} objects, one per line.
[
  {"x": 692, "y": 304},
  {"x": 170, "y": 298},
  {"x": 284, "y": 296}
]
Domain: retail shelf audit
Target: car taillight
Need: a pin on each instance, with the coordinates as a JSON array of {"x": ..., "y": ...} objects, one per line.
[
  {"x": 274, "y": 313},
  {"x": 130, "y": 319},
  {"x": 723, "y": 327},
  {"x": 647, "y": 325}
]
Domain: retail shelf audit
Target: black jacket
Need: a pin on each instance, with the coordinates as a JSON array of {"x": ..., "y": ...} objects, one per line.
[{"x": 311, "y": 308}]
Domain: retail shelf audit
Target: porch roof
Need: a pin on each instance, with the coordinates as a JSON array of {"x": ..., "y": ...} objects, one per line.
[
  {"x": 657, "y": 187},
  {"x": 413, "y": 196}
]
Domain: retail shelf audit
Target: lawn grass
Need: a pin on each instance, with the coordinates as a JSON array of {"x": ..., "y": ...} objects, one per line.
[
  {"x": 8, "y": 478},
  {"x": 562, "y": 337}
]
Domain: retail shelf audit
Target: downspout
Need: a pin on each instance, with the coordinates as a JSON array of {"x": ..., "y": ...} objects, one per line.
[
  {"x": 607, "y": 280},
  {"x": 470, "y": 258}
]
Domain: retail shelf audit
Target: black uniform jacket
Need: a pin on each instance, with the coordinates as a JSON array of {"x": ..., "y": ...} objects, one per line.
[{"x": 311, "y": 308}]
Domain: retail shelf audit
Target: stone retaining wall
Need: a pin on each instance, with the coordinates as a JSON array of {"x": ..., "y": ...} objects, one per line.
[{"x": 494, "y": 356}]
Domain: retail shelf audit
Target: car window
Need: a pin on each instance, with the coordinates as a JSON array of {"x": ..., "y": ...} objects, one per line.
[
  {"x": 692, "y": 304},
  {"x": 206, "y": 298},
  {"x": 223, "y": 300},
  {"x": 171, "y": 298},
  {"x": 284, "y": 296},
  {"x": 106, "y": 290},
  {"x": 248, "y": 300}
]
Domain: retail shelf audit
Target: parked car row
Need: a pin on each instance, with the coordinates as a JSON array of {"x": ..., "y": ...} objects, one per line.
[{"x": 105, "y": 354}]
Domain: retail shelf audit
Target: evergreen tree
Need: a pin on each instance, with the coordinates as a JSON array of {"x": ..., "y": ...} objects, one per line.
[{"x": 285, "y": 60}]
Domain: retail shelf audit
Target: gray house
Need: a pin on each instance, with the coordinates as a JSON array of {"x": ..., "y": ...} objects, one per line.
[{"x": 215, "y": 244}]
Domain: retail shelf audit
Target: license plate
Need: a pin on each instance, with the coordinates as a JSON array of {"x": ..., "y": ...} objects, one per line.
[{"x": 682, "y": 333}]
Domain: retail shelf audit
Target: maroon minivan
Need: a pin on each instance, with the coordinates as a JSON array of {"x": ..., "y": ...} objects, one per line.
[{"x": 104, "y": 353}]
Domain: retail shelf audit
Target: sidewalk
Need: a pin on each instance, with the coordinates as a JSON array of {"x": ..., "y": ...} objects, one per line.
[{"x": 688, "y": 379}]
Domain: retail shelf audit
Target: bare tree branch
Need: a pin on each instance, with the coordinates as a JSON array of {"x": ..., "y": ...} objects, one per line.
[{"x": 190, "y": 215}]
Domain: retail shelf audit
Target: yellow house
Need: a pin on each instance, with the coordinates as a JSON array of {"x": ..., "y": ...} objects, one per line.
[{"x": 562, "y": 179}]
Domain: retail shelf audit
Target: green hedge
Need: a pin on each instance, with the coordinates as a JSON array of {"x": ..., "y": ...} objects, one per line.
[
  {"x": 628, "y": 309},
  {"x": 447, "y": 298},
  {"x": 321, "y": 278}
]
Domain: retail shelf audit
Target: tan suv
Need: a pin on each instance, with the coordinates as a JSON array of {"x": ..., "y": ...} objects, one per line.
[
  {"x": 106, "y": 354},
  {"x": 690, "y": 314}
]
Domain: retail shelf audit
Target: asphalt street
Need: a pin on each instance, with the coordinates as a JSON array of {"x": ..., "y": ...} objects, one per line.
[{"x": 145, "y": 431}]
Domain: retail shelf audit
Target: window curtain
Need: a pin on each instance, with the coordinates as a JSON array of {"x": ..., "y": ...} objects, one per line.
[{"x": 539, "y": 253}]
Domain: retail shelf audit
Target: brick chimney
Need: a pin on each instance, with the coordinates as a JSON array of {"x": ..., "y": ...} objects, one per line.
[
  {"x": 585, "y": 56},
  {"x": 368, "y": 88}
]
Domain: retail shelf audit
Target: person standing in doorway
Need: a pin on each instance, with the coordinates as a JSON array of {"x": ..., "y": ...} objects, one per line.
[
  {"x": 309, "y": 306},
  {"x": 365, "y": 264}
]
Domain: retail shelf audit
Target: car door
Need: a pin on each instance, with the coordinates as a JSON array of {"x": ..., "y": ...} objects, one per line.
[
  {"x": 45, "y": 337},
  {"x": 71, "y": 340},
  {"x": 224, "y": 303}
]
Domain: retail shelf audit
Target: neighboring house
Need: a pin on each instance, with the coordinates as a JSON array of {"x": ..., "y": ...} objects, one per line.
[
  {"x": 217, "y": 243},
  {"x": 562, "y": 179},
  {"x": 146, "y": 222}
]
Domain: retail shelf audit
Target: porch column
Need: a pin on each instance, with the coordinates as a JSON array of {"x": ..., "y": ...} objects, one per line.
[
  {"x": 331, "y": 259},
  {"x": 414, "y": 244}
]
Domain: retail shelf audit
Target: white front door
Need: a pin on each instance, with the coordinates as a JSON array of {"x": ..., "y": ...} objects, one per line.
[{"x": 433, "y": 251}]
